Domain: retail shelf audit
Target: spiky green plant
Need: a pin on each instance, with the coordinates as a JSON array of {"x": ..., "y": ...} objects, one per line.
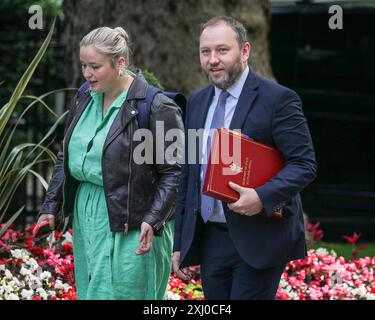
[{"x": 19, "y": 161}]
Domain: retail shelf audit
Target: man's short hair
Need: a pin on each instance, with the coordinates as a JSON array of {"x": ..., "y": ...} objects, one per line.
[{"x": 238, "y": 28}]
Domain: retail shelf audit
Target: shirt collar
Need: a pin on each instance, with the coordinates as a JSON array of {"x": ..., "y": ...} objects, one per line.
[
  {"x": 117, "y": 103},
  {"x": 236, "y": 88}
]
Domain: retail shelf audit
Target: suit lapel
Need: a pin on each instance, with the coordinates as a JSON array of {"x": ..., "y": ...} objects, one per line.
[
  {"x": 202, "y": 108},
  {"x": 245, "y": 102}
]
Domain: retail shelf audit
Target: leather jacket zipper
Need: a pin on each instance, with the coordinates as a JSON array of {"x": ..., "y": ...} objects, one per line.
[
  {"x": 126, "y": 226},
  {"x": 163, "y": 221}
]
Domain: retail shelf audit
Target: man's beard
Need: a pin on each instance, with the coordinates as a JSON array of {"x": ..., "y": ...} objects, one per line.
[{"x": 230, "y": 76}]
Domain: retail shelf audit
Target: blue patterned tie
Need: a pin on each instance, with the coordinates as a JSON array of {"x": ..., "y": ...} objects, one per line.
[{"x": 210, "y": 205}]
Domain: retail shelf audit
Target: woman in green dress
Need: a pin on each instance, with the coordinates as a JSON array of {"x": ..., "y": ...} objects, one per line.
[{"x": 122, "y": 208}]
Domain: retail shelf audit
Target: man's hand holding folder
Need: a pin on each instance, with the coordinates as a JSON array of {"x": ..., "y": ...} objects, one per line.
[
  {"x": 253, "y": 164},
  {"x": 248, "y": 204}
]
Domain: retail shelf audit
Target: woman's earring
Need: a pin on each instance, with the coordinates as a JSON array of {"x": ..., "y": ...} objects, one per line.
[{"x": 120, "y": 73}]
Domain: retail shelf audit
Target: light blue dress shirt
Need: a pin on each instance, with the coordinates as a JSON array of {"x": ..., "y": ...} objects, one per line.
[{"x": 230, "y": 106}]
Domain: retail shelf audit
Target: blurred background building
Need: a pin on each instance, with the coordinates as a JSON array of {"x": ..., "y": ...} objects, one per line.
[{"x": 333, "y": 71}]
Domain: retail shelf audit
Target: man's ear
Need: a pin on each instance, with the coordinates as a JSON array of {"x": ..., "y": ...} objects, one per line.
[{"x": 246, "y": 49}]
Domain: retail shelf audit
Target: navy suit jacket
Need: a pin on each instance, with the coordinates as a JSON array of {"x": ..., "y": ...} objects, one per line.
[{"x": 271, "y": 114}]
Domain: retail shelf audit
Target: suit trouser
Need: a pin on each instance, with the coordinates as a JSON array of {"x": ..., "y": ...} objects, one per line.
[{"x": 226, "y": 276}]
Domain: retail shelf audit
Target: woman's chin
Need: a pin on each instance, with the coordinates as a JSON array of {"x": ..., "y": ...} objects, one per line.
[{"x": 95, "y": 88}]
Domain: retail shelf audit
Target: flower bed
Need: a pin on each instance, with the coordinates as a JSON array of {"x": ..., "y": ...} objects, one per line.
[
  {"x": 325, "y": 276},
  {"x": 46, "y": 271},
  {"x": 36, "y": 272}
]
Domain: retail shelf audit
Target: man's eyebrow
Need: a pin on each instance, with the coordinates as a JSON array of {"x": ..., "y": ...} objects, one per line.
[{"x": 216, "y": 46}]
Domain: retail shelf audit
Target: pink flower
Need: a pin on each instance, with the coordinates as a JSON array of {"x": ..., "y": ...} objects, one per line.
[
  {"x": 4, "y": 246},
  {"x": 314, "y": 231},
  {"x": 352, "y": 239}
]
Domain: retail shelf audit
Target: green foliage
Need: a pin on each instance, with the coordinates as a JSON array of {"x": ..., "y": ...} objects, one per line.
[
  {"x": 345, "y": 249},
  {"x": 51, "y": 7},
  {"x": 151, "y": 79},
  {"x": 19, "y": 43},
  {"x": 18, "y": 161}
]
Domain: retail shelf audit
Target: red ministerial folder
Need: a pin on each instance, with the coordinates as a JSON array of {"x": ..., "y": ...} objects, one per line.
[{"x": 234, "y": 157}]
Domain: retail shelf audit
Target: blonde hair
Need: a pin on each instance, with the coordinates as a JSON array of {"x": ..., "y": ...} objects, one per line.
[{"x": 112, "y": 42}]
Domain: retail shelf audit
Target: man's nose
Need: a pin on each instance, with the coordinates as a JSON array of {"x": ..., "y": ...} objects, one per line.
[{"x": 214, "y": 59}]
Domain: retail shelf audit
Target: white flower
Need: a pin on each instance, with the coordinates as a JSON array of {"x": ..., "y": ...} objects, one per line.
[
  {"x": 172, "y": 296},
  {"x": 42, "y": 293},
  {"x": 322, "y": 252},
  {"x": 12, "y": 296},
  {"x": 51, "y": 293},
  {"x": 24, "y": 271},
  {"x": 60, "y": 285},
  {"x": 2, "y": 267},
  {"x": 27, "y": 294},
  {"x": 67, "y": 238},
  {"x": 360, "y": 292},
  {"x": 34, "y": 282},
  {"x": 33, "y": 264},
  {"x": 8, "y": 274},
  {"x": 13, "y": 284},
  {"x": 19, "y": 283},
  {"x": 45, "y": 275},
  {"x": 20, "y": 254}
]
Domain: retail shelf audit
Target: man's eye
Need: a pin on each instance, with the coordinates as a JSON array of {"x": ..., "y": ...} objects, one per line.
[
  {"x": 223, "y": 50},
  {"x": 95, "y": 67},
  {"x": 205, "y": 52}
]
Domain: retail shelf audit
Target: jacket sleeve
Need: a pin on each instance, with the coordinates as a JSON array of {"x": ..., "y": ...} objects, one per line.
[
  {"x": 292, "y": 137},
  {"x": 182, "y": 189},
  {"x": 53, "y": 200},
  {"x": 165, "y": 123}
]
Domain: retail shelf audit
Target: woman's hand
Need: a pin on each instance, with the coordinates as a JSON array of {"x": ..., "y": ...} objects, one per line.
[
  {"x": 47, "y": 217},
  {"x": 146, "y": 237}
]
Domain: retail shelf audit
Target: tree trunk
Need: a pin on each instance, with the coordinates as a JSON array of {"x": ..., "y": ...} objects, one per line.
[{"x": 165, "y": 34}]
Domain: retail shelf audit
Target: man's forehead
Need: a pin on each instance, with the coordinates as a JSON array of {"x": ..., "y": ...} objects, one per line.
[
  {"x": 220, "y": 26},
  {"x": 217, "y": 35}
]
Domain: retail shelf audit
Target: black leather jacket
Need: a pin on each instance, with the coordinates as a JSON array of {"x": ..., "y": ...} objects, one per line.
[{"x": 134, "y": 193}]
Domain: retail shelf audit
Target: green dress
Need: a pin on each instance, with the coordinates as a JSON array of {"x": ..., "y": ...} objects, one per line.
[{"x": 106, "y": 266}]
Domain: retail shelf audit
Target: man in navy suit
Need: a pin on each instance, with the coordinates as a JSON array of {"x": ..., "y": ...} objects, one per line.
[{"x": 242, "y": 250}]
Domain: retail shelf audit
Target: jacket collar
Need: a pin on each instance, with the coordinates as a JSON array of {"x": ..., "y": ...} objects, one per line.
[
  {"x": 205, "y": 101},
  {"x": 245, "y": 102},
  {"x": 128, "y": 111},
  {"x": 137, "y": 89}
]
